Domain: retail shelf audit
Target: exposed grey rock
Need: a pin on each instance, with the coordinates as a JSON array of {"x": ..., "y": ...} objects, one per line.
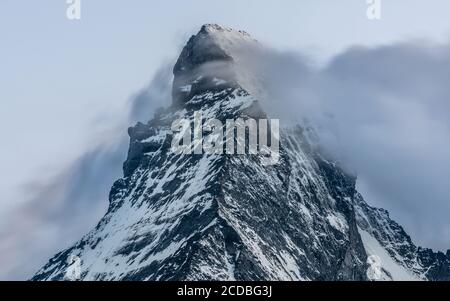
[{"x": 224, "y": 217}]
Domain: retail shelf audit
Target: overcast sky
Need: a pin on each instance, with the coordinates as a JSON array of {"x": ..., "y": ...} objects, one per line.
[{"x": 64, "y": 84}]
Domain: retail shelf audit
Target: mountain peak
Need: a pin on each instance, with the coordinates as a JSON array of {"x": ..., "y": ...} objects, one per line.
[
  {"x": 183, "y": 216},
  {"x": 217, "y": 28},
  {"x": 210, "y": 55},
  {"x": 213, "y": 42}
]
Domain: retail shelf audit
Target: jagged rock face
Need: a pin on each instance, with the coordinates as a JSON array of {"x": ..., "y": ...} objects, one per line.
[
  {"x": 229, "y": 217},
  {"x": 213, "y": 54}
]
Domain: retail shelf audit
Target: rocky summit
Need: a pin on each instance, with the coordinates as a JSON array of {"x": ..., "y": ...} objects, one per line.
[{"x": 229, "y": 217}]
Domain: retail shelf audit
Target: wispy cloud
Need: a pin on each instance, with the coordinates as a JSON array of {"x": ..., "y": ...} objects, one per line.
[
  {"x": 384, "y": 112},
  {"x": 60, "y": 209}
]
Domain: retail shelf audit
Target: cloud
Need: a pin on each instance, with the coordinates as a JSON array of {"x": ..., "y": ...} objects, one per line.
[
  {"x": 157, "y": 94},
  {"x": 384, "y": 112},
  {"x": 60, "y": 210},
  {"x": 390, "y": 107}
]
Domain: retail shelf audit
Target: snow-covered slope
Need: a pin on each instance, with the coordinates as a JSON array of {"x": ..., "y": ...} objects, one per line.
[{"x": 229, "y": 217}]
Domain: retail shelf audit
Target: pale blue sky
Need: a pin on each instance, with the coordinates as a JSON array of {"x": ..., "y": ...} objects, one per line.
[
  {"x": 57, "y": 76},
  {"x": 63, "y": 80}
]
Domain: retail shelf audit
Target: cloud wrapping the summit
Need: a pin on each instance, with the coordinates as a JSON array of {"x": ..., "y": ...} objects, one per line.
[{"x": 384, "y": 113}]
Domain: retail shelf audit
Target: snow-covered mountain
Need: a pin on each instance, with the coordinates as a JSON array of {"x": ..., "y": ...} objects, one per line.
[{"x": 229, "y": 217}]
